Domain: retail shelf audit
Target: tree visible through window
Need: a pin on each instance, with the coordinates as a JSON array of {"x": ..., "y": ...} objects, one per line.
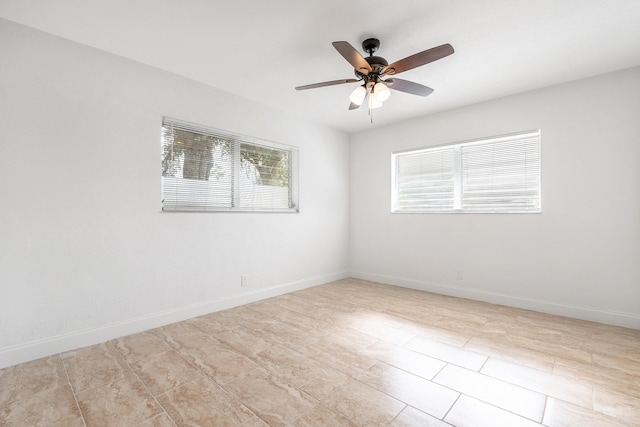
[{"x": 208, "y": 170}]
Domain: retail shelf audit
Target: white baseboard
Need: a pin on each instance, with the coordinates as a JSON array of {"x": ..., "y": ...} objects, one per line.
[
  {"x": 46, "y": 347},
  {"x": 626, "y": 320}
]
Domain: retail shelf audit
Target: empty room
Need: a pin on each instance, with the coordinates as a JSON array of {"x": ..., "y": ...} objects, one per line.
[{"x": 320, "y": 213}]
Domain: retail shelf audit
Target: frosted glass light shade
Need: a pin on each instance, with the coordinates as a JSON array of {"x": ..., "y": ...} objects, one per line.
[
  {"x": 357, "y": 96},
  {"x": 381, "y": 92}
]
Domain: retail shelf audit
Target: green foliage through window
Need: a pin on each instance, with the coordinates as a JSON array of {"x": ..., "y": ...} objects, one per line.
[{"x": 206, "y": 169}]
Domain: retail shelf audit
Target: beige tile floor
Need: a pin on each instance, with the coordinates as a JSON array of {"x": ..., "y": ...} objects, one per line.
[{"x": 349, "y": 353}]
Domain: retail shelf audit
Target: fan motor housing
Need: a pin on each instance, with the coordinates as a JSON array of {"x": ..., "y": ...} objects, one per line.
[
  {"x": 377, "y": 64},
  {"x": 377, "y": 60}
]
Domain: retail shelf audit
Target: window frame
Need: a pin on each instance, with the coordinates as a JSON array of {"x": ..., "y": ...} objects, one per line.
[
  {"x": 237, "y": 140},
  {"x": 458, "y": 173}
]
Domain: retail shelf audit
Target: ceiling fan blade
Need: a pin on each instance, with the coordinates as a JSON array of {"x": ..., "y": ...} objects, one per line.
[
  {"x": 418, "y": 59},
  {"x": 353, "y": 106},
  {"x": 408, "y": 87},
  {"x": 353, "y": 57},
  {"x": 323, "y": 84}
]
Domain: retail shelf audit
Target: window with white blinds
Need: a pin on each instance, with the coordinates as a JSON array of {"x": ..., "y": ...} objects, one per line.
[
  {"x": 425, "y": 180},
  {"x": 205, "y": 169},
  {"x": 500, "y": 174}
]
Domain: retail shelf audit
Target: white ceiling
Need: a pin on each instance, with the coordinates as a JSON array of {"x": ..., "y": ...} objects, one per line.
[{"x": 262, "y": 49}]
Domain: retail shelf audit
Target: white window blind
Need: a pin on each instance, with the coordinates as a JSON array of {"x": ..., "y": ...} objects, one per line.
[
  {"x": 204, "y": 169},
  {"x": 425, "y": 180},
  {"x": 500, "y": 174}
]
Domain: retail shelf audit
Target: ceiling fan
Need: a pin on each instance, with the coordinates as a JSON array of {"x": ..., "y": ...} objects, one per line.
[{"x": 371, "y": 70}]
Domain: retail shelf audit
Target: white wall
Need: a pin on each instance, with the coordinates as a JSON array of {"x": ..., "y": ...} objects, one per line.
[
  {"x": 85, "y": 253},
  {"x": 580, "y": 257}
]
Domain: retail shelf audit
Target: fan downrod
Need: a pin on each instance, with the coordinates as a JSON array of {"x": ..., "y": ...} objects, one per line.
[{"x": 377, "y": 63}]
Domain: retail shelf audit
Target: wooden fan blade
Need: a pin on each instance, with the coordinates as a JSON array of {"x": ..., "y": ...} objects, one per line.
[
  {"x": 418, "y": 59},
  {"x": 323, "y": 84},
  {"x": 408, "y": 87},
  {"x": 353, "y": 57}
]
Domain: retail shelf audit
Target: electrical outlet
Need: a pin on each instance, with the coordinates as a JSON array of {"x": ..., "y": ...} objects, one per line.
[
  {"x": 244, "y": 280},
  {"x": 459, "y": 275}
]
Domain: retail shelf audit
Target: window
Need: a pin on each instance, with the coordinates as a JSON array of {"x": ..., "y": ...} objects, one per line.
[
  {"x": 500, "y": 174},
  {"x": 205, "y": 169}
]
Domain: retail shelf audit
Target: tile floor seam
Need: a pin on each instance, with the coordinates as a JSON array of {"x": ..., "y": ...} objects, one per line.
[
  {"x": 299, "y": 387},
  {"x": 483, "y": 364},
  {"x": 322, "y": 404},
  {"x": 546, "y": 393},
  {"x": 154, "y": 417},
  {"x": 302, "y": 392},
  {"x": 222, "y": 386},
  {"x": 397, "y": 415},
  {"x": 73, "y": 391},
  {"x": 444, "y": 360},
  {"x": 279, "y": 380},
  {"x": 503, "y": 409},
  {"x": 406, "y": 371},
  {"x": 402, "y": 399},
  {"x": 300, "y": 416},
  {"x": 227, "y": 393},
  {"x": 151, "y": 394},
  {"x": 512, "y": 383},
  {"x": 451, "y": 407},
  {"x": 183, "y": 357},
  {"x": 440, "y": 370},
  {"x": 544, "y": 409},
  {"x": 505, "y": 382}
]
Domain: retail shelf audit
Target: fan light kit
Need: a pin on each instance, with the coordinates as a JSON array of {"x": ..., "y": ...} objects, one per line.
[{"x": 372, "y": 69}]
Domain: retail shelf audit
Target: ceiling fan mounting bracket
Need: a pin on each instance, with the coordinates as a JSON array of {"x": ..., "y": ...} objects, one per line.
[{"x": 370, "y": 45}]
